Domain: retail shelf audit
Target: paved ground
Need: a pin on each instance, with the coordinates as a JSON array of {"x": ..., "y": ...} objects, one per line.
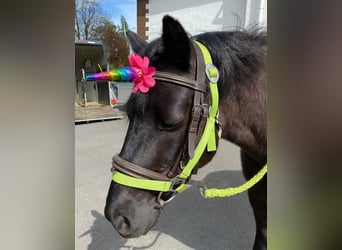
[
  {"x": 96, "y": 112},
  {"x": 188, "y": 222},
  {"x": 99, "y": 112}
]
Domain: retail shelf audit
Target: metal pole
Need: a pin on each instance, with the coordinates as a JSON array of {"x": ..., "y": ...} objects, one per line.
[{"x": 84, "y": 87}]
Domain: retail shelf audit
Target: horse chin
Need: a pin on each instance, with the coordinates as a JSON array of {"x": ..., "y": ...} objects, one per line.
[
  {"x": 132, "y": 236},
  {"x": 136, "y": 234}
]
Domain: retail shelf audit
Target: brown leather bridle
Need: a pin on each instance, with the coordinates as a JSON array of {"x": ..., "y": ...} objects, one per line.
[{"x": 199, "y": 114}]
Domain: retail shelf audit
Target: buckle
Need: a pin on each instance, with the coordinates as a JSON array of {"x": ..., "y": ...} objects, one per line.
[
  {"x": 176, "y": 182},
  {"x": 212, "y": 73},
  {"x": 196, "y": 112},
  {"x": 173, "y": 190}
]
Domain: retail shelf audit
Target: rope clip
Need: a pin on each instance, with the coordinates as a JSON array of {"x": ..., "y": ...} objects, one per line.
[{"x": 202, "y": 190}]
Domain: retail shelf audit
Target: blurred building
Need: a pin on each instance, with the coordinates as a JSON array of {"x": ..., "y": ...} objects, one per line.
[{"x": 198, "y": 16}]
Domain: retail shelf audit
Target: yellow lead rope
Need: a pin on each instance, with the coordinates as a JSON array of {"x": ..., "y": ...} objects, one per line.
[{"x": 215, "y": 192}]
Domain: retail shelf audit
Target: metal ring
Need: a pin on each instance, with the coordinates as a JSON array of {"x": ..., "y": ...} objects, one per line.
[
  {"x": 202, "y": 190},
  {"x": 161, "y": 203},
  {"x": 181, "y": 165}
]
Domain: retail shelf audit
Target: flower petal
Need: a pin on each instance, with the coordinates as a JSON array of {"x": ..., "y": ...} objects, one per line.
[
  {"x": 135, "y": 89},
  {"x": 143, "y": 89},
  {"x": 145, "y": 62},
  {"x": 138, "y": 60},
  {"x": 149, "y": 81},
  {"x": 151, "y": 71}
]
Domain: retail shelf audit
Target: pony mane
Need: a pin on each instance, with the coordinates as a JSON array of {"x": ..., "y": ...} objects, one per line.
[{"x": 238, "y": 55}]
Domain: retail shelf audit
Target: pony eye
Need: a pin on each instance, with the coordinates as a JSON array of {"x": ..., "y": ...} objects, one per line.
[{"x": 170, "y": 125}]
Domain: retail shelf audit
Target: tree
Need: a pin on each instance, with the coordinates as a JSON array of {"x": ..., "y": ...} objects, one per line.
[
  {"x": 88, "y": 16},
  {"x": 116, "y": 44},
  {"x": 92, "y": 24}
]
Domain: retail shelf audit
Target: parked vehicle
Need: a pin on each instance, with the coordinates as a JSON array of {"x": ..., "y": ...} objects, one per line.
[
  {"x": 94, "y": 100},
  {"x": 90, "y": 57}
]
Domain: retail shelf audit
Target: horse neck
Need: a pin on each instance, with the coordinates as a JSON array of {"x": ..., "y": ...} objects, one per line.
[{"x": 243, "y": 102}]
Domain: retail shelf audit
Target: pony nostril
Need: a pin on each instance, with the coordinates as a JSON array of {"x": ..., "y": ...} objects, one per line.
[{"x": 123, "y": 225}]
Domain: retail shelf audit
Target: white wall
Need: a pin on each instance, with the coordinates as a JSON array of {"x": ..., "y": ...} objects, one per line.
[
  {"x": 256, "y": 12},
  {"x": 199, "y": 16}
]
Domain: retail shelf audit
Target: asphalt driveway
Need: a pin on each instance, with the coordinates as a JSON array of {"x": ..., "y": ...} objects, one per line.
[{"x": 188, "y": 222}]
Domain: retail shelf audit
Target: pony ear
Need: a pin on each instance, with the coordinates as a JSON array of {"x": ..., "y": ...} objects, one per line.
[
  {"x": 176, "y": 43},
  {"x": 138, "y": 44}
]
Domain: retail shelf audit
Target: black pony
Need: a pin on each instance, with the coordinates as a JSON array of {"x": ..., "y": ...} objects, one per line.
[{"x": 159, "y": 120}]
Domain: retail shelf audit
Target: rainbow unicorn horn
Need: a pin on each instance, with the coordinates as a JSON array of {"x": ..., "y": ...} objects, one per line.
[
  {"x": 128, "y": 74},
  {"x": 139, "y": 72}
]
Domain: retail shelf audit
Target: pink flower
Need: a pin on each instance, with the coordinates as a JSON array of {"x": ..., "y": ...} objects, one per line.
[{"x": 144, "y": 80}]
